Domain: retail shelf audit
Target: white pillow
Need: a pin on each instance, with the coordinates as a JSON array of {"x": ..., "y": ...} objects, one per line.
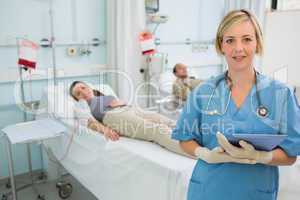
[{"x": 62, "y": 105}]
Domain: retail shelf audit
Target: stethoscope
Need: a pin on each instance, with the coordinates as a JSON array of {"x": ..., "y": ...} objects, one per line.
[{"x": 261, "y": 110}]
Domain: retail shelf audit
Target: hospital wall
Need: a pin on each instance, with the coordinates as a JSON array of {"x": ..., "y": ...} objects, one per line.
[
  {"x": 191, "y": 19},
  {"x": 76, "y": 23}
]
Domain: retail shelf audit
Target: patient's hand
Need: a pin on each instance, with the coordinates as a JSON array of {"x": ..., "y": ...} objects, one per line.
[
  {"x": 116, "y": 103},
  {"x": 111, "y": 134}
]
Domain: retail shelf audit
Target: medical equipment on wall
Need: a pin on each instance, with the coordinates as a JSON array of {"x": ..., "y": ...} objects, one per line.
[
  {"x": 146, "y": 39},
  {"x": 152, "y": 6},
  {"x": 158, "y": 19},
  {"x": 148, "y": 47},
  {"x": 155, "y": 65},
  {"x": 147, "y": 43},
  {"x": 261, "y": 111},
  {"x": 71, "y": 51},
  {"x": 27, "y": 59},
  {"x": 27, "y": 53},
  {"x": 84, "y": 50}
]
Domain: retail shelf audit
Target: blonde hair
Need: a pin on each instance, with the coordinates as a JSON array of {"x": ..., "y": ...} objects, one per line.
[{"x": 236, "y": 17}]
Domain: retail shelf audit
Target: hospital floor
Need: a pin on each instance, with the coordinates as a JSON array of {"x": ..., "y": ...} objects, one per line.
[
  {"x": 51, "y": 193},
  {"x": 79, "y": 192}
]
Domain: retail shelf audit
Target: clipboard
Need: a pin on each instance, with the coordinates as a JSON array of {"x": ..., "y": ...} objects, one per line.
[{"x": 265, "y": 142}]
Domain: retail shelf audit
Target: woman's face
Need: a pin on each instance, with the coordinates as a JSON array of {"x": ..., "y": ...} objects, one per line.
[
  {"x": 239, "y": 45},
  {"x": 82, "y": 91}
]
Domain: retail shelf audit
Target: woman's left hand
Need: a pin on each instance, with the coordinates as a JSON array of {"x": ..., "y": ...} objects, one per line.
[
  {"x": 111, "y": 134},
  {"x": 245, "y": 151}
]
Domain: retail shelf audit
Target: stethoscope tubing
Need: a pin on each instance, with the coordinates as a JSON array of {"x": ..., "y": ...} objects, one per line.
[{"x": 261, "y": 111}]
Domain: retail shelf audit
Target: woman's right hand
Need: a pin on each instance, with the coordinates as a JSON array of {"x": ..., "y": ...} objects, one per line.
[
  {"x": 111, "y": 134},
  {"x": 245, "y": 151},
  {"x": 218, "y": 155}
]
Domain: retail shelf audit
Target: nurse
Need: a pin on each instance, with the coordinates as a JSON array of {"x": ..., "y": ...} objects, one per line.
[{"x": 239, "y": 101}]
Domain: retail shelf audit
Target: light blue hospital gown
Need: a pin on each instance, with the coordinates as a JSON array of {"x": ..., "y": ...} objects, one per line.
[{"x": 232, "y": 181}]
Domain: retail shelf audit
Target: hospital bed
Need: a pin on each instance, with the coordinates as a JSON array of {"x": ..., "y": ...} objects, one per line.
[
  {"x": 125, "y": 169},
  {"x": 129, "y": 168}
]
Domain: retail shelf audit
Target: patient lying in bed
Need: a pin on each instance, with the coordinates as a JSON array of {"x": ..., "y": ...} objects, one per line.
[{"x": 114, "y": 118}]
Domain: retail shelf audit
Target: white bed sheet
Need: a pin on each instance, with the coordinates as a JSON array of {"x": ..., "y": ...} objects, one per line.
[{"x": 126, "y": 169}]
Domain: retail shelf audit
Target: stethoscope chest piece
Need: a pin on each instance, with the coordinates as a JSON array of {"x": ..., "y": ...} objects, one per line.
[
  {"x": 213, "y": 112},
  {"x": 262, "y": 111}
]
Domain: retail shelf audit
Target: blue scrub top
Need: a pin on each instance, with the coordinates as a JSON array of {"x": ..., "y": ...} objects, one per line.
[{"x": 231, "y": 180}]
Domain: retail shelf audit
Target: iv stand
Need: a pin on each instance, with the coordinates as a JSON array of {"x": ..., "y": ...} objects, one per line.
[
  {"x": 52, "y": 41},
  {"x": 147, "y": 79},
  {"x": 32, "y": 183}
]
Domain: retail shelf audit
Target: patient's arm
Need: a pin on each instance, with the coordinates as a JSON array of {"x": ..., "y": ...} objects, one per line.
[{"x": 99, "y": 127}]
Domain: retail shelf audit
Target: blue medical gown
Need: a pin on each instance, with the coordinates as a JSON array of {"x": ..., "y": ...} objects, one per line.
[{"x": 232, "y": 181}]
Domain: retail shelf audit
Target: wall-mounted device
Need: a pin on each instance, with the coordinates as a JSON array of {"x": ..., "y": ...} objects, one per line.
[
  {"x": 45, "y": 43},
  {"x": 157, "y": 19},
  {"x": 152, "y": 6},
  {"x": 71, "y": 51}
]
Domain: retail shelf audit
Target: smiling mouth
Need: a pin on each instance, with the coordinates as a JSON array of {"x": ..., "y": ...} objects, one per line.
[{"x": 238, "y": 58}]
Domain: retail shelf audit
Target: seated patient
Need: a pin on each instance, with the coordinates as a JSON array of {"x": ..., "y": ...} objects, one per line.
[
  {"x": 114, "y": 118},
  {"x": 183, "y": 83}
]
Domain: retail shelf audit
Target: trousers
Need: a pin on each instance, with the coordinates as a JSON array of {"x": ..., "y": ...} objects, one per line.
[{"x": 149, "y": 126}]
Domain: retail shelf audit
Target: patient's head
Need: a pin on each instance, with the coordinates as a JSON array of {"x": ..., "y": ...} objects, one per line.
[
  {"x": 80, "y": 90},
  {"x": 180, "y": 71}
]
